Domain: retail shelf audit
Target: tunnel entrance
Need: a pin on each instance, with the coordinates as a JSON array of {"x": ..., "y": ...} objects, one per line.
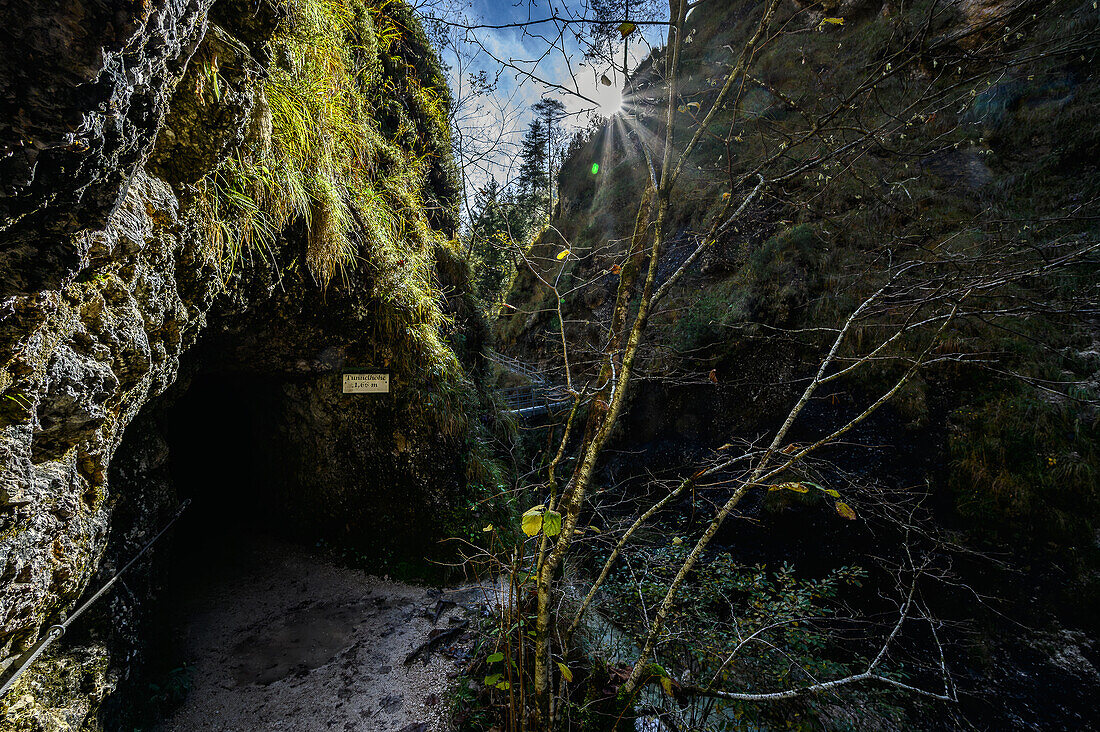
[
  {"x": 224, "y": 455},
  {"x": 249, "y": 624}
]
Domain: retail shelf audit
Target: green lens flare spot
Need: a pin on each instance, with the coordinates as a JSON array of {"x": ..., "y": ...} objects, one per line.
[{"x": 595, "y": 168}]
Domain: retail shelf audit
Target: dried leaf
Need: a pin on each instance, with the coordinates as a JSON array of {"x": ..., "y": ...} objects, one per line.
[
  {"x": 845, "y": 511},
  {"x": 616, "y": 269},
  {"x": 604, "y": 80}
]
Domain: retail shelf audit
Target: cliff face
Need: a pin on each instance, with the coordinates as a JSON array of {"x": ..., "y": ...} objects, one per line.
[
  {"x": 129, "y": 233},
  {"x": 992, "y": 146},
  {"x": 85, "y": 86}
]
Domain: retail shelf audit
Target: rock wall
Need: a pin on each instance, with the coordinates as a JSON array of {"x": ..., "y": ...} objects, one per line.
[
  {"x": 108, "y": 281},
  {"x": 84, "y": 87}
]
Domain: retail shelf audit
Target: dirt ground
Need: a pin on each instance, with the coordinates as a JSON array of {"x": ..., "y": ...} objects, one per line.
[{"x": 291, "y": 641}]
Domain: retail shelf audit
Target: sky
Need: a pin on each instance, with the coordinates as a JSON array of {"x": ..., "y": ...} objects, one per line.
[{"x": 527, "y": 64}]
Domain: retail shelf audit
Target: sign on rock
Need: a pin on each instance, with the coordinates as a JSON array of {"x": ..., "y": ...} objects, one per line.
[{"x": 366, "y": 382}]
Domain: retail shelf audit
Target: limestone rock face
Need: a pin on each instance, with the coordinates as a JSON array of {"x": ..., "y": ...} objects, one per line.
[
  {"x": 96, "y": 352},
  {"x": 111, "y": 114},
  {"x": 84, "y": 85}
]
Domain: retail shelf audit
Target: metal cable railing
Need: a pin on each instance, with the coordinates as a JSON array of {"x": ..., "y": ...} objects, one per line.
[{"x": 56, "y": 631}]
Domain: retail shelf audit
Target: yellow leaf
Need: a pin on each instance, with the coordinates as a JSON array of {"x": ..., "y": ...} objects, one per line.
[
  {"x": 845, "y": 511},
  {"x": 725, "y": 196},
  {"x": 833, "y": 21},
  {"x": 488, "y": 527},
  {"x": 666, "y": 684},
  {"x": 563, "y": 254},
  {"x": 796, "y": 487},
  {"x": 594, "y": 529},
  {"x": 693, "y": 106},
  {"x": 531, "y": 523},
  {"x": 565, "y": 672},
  {"x": 677, "y": 541},
  {"x": 627, "y": 28}
]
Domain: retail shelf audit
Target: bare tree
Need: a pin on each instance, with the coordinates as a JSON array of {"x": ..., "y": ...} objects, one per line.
[{"x": 913, "y": 299}]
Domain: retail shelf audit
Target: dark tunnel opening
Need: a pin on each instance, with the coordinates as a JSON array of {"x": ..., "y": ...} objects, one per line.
[
  {"x": 223, "y": 456},
  {"x": 216, "y": 444}
]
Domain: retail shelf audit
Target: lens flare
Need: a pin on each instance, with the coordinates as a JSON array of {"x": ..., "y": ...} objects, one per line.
[{"x": 610, "y": 99}]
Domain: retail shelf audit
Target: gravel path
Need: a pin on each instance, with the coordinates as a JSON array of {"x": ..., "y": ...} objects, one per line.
[{"x": 291, "y": 641}]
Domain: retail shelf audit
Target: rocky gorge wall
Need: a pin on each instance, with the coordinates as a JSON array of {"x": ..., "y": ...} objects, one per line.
[
  {"x": 1007, "y": 467},
  {"x": 114, "y": 286}
]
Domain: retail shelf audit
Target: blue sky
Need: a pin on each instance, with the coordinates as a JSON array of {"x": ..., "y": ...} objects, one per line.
[{"x": 539, "y": 51}]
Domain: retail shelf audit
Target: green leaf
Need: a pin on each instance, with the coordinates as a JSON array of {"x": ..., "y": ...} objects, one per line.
[
  {"x": 551, "y": 523},
  {"x": 531, "y": 523},
  {"x": 627, "y": 28},
  {"x": 504, "y": 686},
  {"x": 827, "y": 491},
  {"x": 492, "y": 680},
  {"x": 565, "y": 672},
  {"x": 495, "y": 657}
]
